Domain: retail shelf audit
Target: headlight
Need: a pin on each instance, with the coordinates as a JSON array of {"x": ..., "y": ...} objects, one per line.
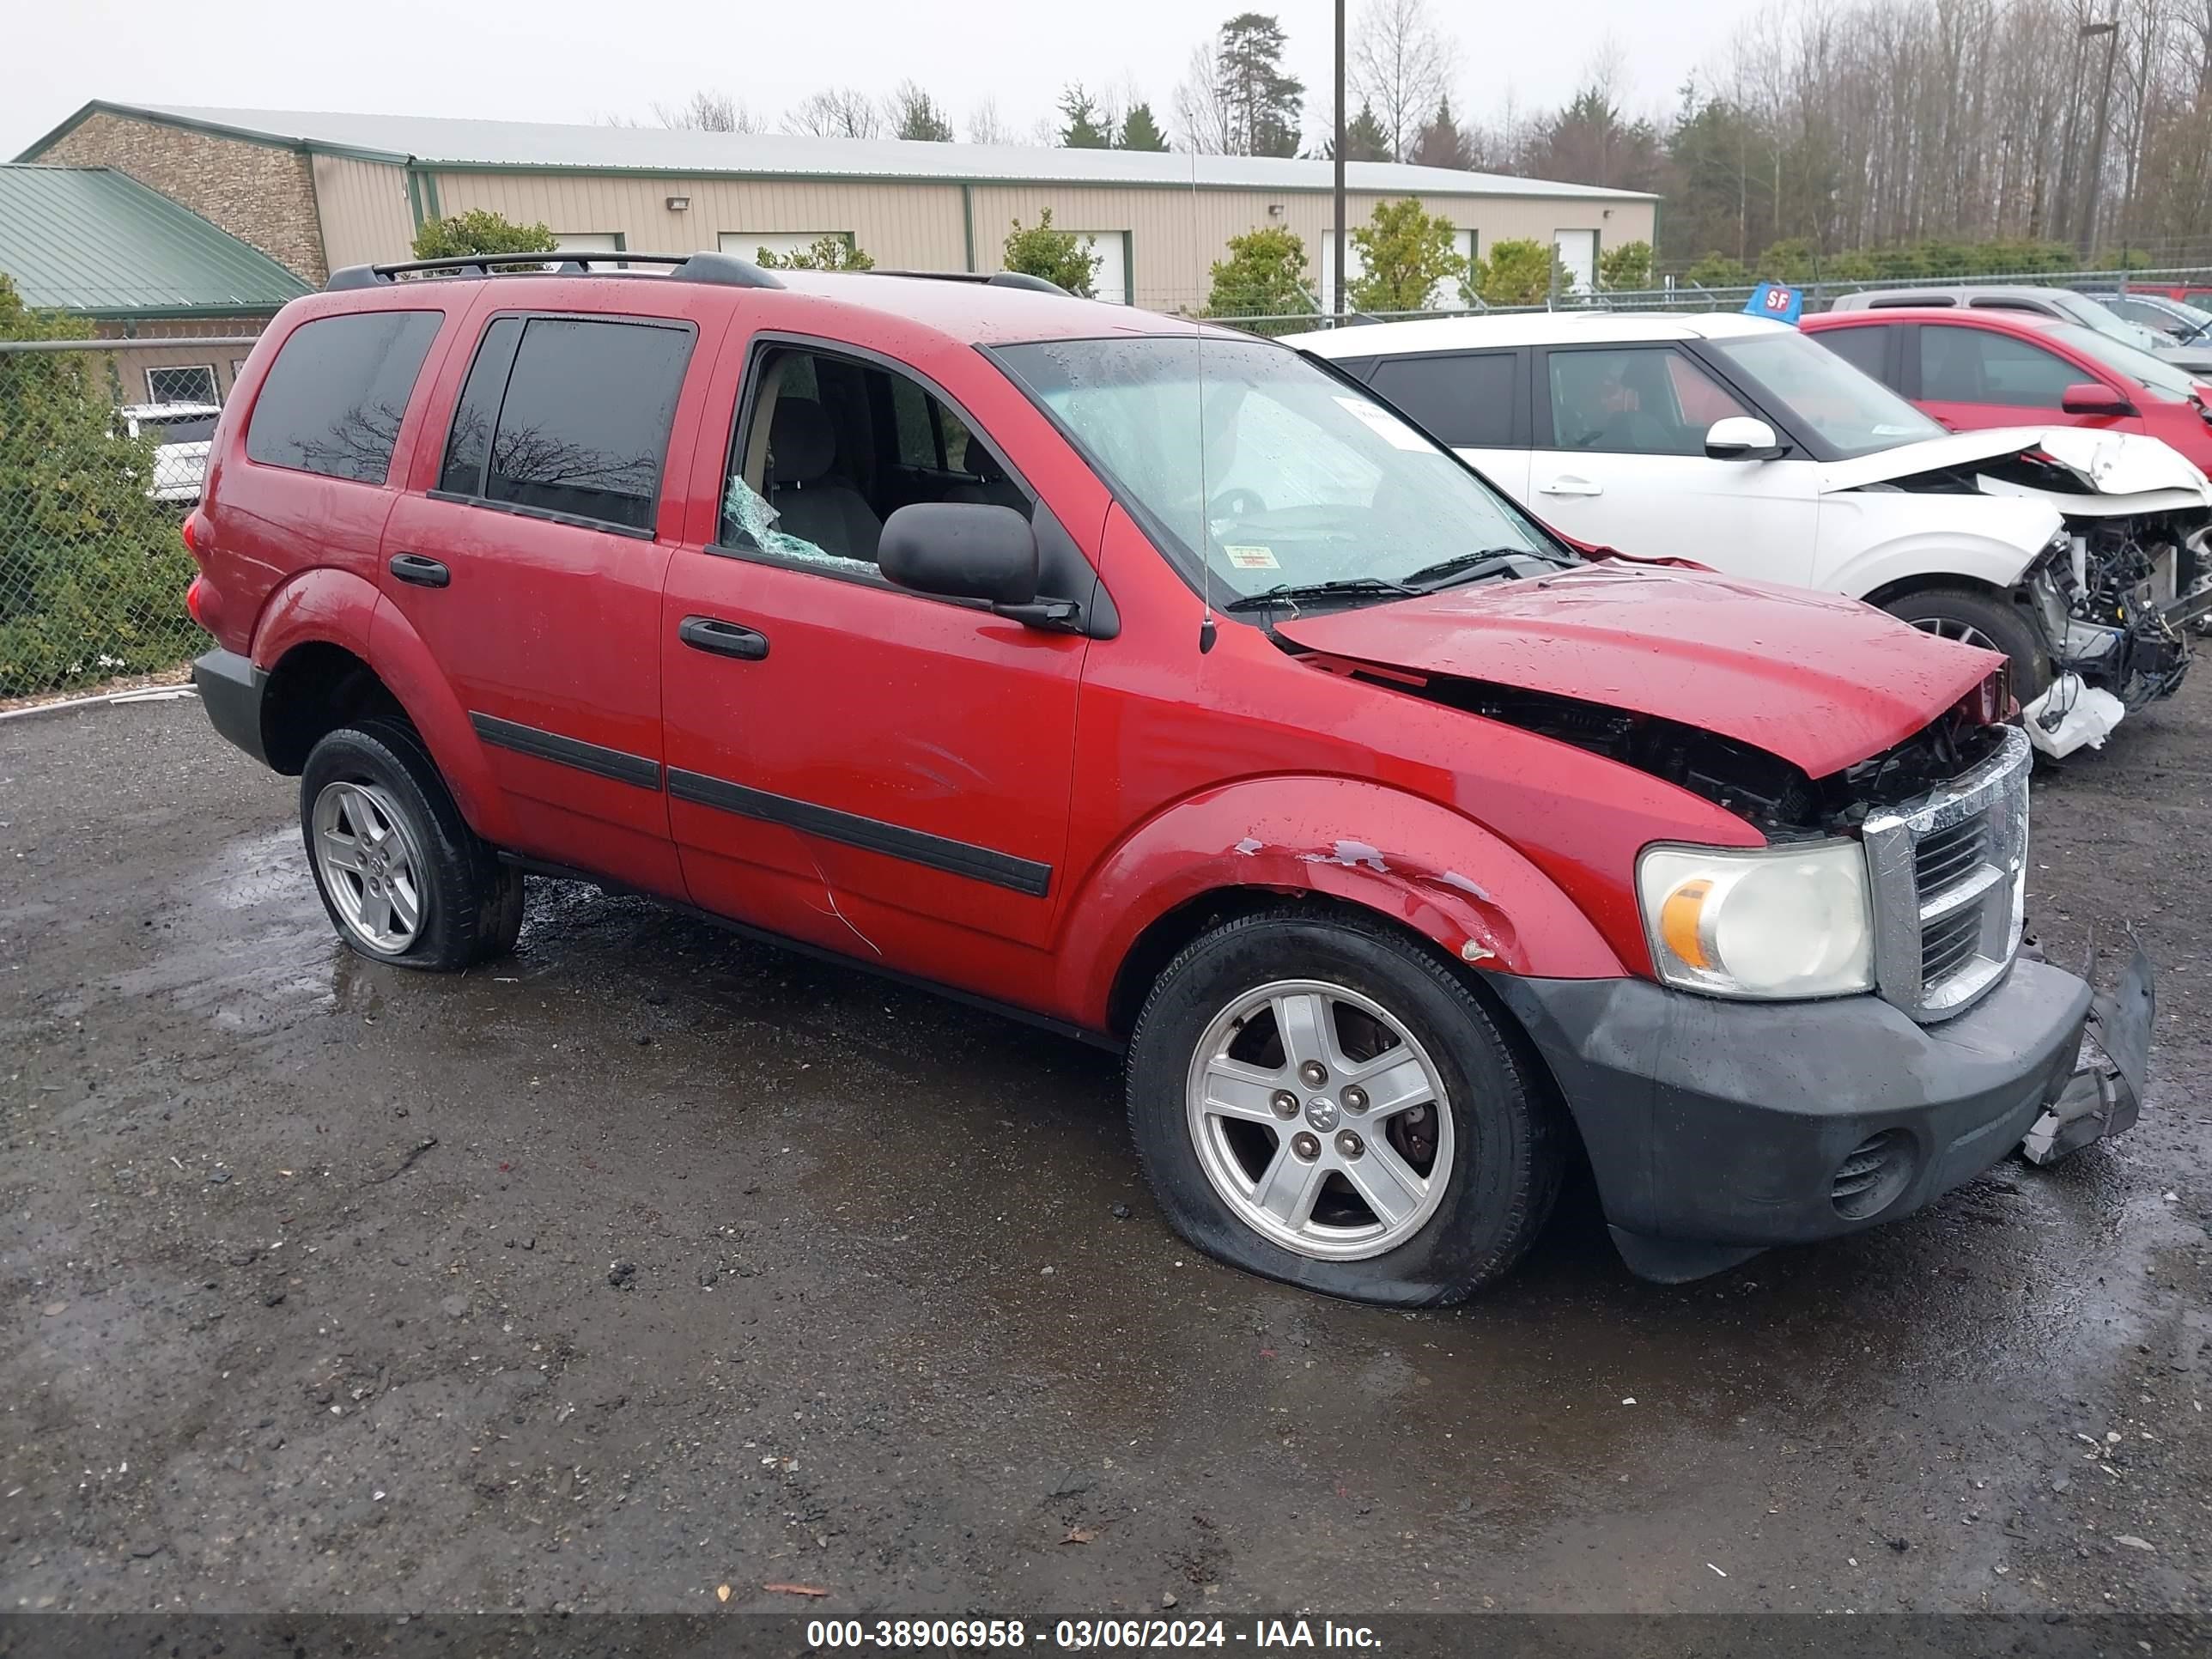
[{"x": 1790, "y": 922}]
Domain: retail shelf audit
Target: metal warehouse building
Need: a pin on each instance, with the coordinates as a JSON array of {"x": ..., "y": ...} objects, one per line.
[{"x": 316, "y": 192}]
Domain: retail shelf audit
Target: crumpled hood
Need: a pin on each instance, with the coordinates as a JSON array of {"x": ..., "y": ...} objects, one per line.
[
  {"x": 2109, "y": 463},
  {"x": 1821, "y": 681}
]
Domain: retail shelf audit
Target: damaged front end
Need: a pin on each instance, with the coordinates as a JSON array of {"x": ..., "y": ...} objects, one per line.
[
  {"x": 2115, "y": 595},
  {"x": 2104, "y": 1095}
]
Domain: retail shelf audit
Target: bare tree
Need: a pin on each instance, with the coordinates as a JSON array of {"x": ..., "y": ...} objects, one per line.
[
  {"x": 984, "y": 126},
  {"x": 835, "y": 112},
  {"x": 1202, "y": 113},
  {"x": 1401, "y": 67},
  {"x": 707, "y": 112}
]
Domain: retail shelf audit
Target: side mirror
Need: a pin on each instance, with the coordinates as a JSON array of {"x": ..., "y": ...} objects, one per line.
[
  {"x": 2094, "y": 398},
  {"x": 1740, "y": 438},
  {"x": 961, "y": 550}
]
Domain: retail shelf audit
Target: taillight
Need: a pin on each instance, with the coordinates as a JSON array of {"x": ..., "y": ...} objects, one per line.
[
  {"x": 195, "y": 599},
  {"x": 195, "y": 534}
]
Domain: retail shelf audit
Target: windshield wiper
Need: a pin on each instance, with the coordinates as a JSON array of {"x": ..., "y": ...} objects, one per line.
[
  {"x": 1470, "y": 567},
  {"x": 1290, "y": 593}
]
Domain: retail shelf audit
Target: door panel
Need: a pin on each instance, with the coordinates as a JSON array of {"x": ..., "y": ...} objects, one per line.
[
  {"x": 1619, "y": 461},
  {"x": 532, "y": 570},
  {"x": 891, "y": 771}
]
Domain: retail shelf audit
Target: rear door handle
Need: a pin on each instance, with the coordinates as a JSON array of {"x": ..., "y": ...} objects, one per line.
[
  {"x": 724, "y": 639},
  {"x": 419, "y": 572},
  {"x": 1571, "y": 486}
]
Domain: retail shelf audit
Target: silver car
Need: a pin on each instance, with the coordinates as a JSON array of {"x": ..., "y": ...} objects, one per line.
[
  {"x": 2063, "y": 303},
  {"x": 183, "y": 431}
]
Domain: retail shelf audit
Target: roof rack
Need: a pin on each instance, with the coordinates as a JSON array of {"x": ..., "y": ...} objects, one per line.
[
  {"x": 726, "y": 270},
  {"x": 989, "y": 279}
]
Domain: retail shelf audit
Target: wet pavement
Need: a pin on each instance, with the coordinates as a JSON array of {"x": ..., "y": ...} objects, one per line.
[{"x": 650, "y": 1261}]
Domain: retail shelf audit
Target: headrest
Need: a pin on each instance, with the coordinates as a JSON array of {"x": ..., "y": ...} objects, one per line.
[{"x": 801, "y": 444}]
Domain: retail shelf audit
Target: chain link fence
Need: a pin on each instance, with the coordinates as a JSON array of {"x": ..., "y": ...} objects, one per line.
[{"x": 103, "y": 450}]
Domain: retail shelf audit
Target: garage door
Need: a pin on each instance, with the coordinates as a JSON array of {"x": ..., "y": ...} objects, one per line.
[{"x": 1111, "y": 280}]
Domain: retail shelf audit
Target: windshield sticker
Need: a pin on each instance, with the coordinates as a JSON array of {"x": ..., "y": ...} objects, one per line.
[
  {"x": 1386, "y": 425},
  {"x": 1251, "y": 558}
]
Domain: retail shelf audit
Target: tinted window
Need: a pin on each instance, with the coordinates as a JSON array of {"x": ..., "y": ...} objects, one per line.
[
  {"x": 1866, "y": 349},
  {"x": 1975, "y": 366},
  {"x": 1638, "y": 400},
  {"x": 583, "y": 428},
  {"x": 1466, "y": 402},
  {"x": 468, "y": 445},
  {"x": 334, "y": 396}
]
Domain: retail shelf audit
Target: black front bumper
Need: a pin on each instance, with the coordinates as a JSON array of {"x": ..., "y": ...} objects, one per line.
[
  {"x": 230, "y": 690},
  {"x": 1717, "y": 1129}
]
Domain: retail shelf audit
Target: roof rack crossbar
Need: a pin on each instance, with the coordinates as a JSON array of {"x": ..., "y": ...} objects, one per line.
[{"x": 725, "y": 270}]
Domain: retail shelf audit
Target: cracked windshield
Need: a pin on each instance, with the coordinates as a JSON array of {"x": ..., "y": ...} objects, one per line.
[{"x": 1281, "y": 478}]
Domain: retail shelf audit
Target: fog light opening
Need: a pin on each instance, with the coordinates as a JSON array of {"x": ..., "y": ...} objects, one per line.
[{"x": 1875, "y": 1175}]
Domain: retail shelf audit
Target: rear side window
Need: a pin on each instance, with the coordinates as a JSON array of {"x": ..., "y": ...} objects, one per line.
[
  {"x": 1464, "y": 401},
  {"x": 334, "y": 397},
  {"x": 1866, "y": 349},
  {"x": 569, "y": 417}
]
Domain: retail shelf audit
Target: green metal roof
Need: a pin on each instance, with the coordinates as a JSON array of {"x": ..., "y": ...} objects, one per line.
[{"x": 96, "y": 241}]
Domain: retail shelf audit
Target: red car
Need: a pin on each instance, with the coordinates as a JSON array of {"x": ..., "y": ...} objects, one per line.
[
  {"x": 1155, "y": 683},
  {"x": 1979, "y": 369}
]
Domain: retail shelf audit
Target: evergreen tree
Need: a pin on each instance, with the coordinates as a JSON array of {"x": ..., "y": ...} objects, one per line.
[{"x": 1139, "y": 130}]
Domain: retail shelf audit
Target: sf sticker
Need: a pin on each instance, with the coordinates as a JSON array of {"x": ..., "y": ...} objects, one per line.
[{"x": 1251, "y": 558}]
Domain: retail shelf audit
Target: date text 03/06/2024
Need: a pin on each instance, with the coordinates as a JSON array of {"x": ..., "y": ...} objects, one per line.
[{"x": 1259, "y": 1636}]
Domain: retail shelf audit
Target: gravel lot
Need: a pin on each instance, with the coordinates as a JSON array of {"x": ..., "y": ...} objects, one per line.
[{"x": 651, "y": 1261}]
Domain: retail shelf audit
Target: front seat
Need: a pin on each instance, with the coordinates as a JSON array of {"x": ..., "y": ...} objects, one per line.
[
  {"x": 810, "y": 503},
  {"x": 992, "y": 488}
]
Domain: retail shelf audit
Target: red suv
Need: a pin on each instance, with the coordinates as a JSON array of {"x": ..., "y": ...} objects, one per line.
[
  {"x": 1972, "y": 369},
  {"x": 1155, "y": 683}
]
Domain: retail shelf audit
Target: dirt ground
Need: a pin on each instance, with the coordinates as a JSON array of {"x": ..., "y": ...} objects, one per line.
[{"x": 651, "y": 1261}]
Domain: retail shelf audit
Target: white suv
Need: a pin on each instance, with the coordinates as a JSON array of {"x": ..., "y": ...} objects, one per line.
[
  {"x": 182, "y": 430},
  {"x": 1740, "y": 444}
]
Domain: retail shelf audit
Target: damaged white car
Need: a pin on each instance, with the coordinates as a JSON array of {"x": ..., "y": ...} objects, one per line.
[{"x": 1740, "y": 444}]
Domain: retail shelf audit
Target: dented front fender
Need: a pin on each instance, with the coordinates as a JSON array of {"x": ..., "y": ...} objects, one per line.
[{"x": 1440, "y": 874}]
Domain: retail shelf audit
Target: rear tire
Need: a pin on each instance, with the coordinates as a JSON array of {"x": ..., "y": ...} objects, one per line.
[
  {"x": 1994, "y": 622},
  {"x": 401, "y": 874},
  {"x": 1283, "y": 1010}
]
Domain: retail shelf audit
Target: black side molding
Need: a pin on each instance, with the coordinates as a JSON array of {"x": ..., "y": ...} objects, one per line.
[
  {"x": 617, "y": 764},
  {"x": 957, "y": 858}
]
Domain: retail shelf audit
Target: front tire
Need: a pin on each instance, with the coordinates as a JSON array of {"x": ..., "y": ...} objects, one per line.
[
  {"x": 404, "y": 878},
  {"x": 1993, "y": 623},
  {"x": 1319, "y": 1100}
]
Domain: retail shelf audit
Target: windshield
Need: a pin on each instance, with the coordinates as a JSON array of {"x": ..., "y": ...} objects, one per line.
[
  {"x": 180, "y": 428},
  {"x": 1273, "y": 473},
  {"x": 1850, "y": 413},
  {"x": 2153, "y": 373},
  {"x": 2096, "y": 314}
]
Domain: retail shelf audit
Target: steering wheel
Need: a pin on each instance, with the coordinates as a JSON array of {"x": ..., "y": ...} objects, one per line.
[{"x": 1235, "y": 502}]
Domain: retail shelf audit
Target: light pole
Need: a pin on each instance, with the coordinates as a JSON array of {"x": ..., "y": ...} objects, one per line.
[
  {"x": 2093, "y": 187},
  {"x": 1336, "y": 301}
]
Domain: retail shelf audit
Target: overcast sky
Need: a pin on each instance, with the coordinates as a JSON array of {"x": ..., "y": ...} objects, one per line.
[{"x": 583, "y": 60}]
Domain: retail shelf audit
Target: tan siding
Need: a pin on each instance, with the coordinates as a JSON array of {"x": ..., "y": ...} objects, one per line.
[
  {"x": 365, "y": 210},
  {"x": 1175, "y": 235},
  {"x": 122, "y": 374},
  {"x": 899, "y": 224}
]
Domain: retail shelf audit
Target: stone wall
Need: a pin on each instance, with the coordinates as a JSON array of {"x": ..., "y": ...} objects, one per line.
[{"x": 263, "y": 195}]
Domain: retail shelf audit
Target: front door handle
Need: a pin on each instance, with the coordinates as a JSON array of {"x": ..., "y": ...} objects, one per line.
[
  {"x": 1571, "y": 486},
  {"x": 724, "y": 639},
  {"x": 417, "y": 571}
]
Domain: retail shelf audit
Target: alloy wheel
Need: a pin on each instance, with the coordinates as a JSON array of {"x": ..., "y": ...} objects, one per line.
[
  {"x": 1320, "y": 1120},
  {"x": 371, "y": 864}
]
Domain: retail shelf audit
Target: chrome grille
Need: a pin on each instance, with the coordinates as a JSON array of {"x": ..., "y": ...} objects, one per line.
[{"x": 1947, "y": 874}]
